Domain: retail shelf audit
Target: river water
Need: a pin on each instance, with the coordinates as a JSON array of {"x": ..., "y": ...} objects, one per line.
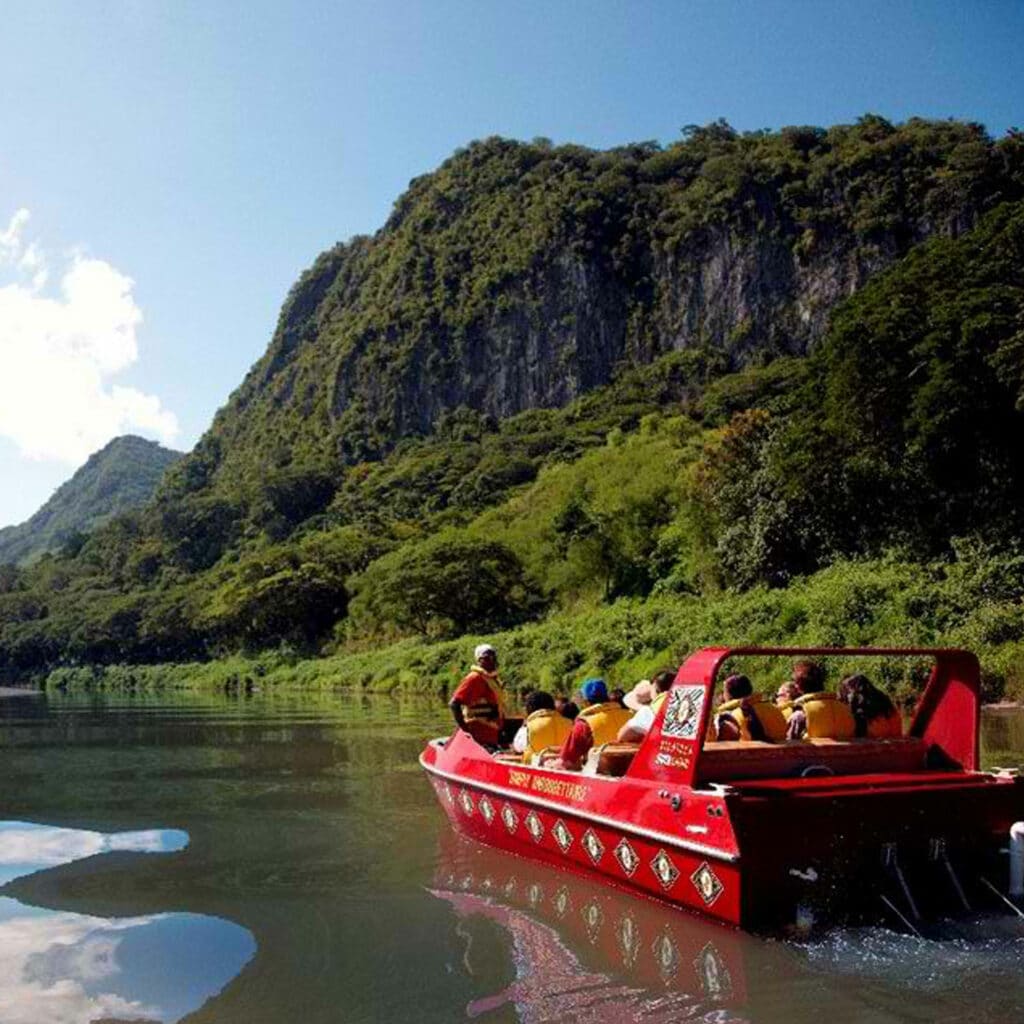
[{"x": 282, "y": 859}]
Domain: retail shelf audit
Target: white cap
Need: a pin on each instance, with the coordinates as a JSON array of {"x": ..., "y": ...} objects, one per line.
[
  {"x": 482, "y": 649},
  {"x": 640, "y": 696}
]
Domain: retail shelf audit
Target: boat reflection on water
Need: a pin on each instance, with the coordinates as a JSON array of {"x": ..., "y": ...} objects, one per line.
[
  {"x": 71, "y": 968},
  {"x": 586, "y": 951}
]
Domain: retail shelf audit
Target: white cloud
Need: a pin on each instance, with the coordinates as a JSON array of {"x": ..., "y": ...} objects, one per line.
[
  {"x": 10, "y": 239},
  {"x": 58, "y": 353},
  {"x": 53, "y": 965}
]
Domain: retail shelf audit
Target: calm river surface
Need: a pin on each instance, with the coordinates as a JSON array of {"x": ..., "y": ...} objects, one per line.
[{"x": 282, "y": 859}]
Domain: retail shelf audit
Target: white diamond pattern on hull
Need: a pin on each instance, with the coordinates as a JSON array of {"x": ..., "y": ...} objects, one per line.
[
  {"x": 511, "y": 819},
  {"x": 593, "y": 845},
  {"x": 535, "y": 826},
  {"x": 562, "y": 835},
  {"x": 707, "y": 884},
  {"x": 486, "y": 809},
  {"x": 665, "y": 871},
  {"x": 467, "y": 801},
  {"x": 627, "y": 858}
]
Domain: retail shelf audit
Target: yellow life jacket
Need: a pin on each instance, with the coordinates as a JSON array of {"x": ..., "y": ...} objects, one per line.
[
  {"x": 487, "y": 710},
  {"x": 658, "y": 701},
  {"x": 886, "y": 727},
  {"x": 605, "y": 720},
  {"x": 827, "y": 717},
  {"x": 544, "y": 728},
  {"x": 772, "y": 720},
  {"x": 786, "y": 707}
]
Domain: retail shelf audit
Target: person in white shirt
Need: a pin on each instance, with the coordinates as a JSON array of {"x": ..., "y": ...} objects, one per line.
[{"x": 645, "y": 699}]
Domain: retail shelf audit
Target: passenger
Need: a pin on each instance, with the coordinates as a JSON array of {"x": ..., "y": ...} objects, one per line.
[
  {"x": 786, "y": 694},
  {"x": 618, "y": 696},
  {"x": 875, "y": 716},
  {"x": 817, "y": 714},
  {"x": 598, "y": 723},
  {"x": 567, "y": 708},
  {"x": 544, "y": 727},
  {"x": 645, "y": 698},
  {"x": 745, "y": 715},
  {"x": 810, "y": 673},
  {"x": 478, "y": 701}
]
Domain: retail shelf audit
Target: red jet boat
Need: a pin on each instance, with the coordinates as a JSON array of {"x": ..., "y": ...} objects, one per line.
[{"x": 767, "y": 834}]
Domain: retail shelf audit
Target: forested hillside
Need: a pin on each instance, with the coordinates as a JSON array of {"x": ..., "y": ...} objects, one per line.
[
  {"x": 120, "y": 477},
  {"x": 520, "y": 276},
  {"x": 745, "y": 387}
]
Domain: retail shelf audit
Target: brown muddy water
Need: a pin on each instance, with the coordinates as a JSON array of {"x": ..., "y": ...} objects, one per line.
[{"x": 282, "y": 859}]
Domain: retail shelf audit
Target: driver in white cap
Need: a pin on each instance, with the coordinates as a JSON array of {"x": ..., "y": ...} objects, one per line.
[{"x": 478, "y": 701}]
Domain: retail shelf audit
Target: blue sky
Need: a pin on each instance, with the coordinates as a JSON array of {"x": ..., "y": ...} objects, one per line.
[{"x": 179, "y": 164}]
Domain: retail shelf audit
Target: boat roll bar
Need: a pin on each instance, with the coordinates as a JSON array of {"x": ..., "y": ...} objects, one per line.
[{"x": 947, "y": 715}]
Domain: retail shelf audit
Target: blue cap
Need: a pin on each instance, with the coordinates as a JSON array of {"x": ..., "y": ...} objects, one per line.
[{"x": 594, "y": 691}]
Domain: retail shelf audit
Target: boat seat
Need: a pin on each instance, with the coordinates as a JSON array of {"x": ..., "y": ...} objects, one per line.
[
  {"x": 508, "y": 757},
  {"x": 610, "y": 759},
  {"x": 729, "y": 759}
]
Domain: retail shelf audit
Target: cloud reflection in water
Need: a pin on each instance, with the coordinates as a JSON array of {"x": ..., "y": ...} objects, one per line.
[
  {"x": 58, "y": 967},
  {"x": 26, "y": 847}
]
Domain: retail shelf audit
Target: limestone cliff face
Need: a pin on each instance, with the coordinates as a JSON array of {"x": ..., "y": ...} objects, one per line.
[
  {"x": 553, "y": 336},
  {"x": 521, "y": 276},
  {"x": 565, "y": 328}
]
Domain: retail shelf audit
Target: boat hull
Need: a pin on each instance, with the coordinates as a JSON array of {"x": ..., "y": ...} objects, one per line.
[
  {"x": 566, "y": 827},
  {"x": 827, "y": 851}
]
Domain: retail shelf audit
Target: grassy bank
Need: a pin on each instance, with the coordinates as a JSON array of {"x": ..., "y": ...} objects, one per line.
[{"x": 969, "y": 603}]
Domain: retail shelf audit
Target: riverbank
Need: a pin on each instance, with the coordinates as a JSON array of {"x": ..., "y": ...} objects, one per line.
[{"x": 866, "y": 603}]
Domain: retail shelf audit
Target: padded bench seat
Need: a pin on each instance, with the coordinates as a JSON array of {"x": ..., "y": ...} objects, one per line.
[
  {"x": 610, "y": 759},
  {"x": 725, "y": 760}
]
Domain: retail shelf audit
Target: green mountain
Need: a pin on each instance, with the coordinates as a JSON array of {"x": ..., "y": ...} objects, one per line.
[
  {"x": 120, "y": 477},
  {"x": 610, "y": 403},
  {"x": 522, "y": 275}
]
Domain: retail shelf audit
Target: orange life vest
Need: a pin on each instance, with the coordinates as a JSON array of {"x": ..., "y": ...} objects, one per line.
[
  {"x": 886, "y": 727},
  {"x": 492, "y": 710},
  {"x": 485, "y": 716}
]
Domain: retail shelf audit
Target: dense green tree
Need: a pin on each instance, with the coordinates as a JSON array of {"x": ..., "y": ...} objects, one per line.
[
  {"x": 907, "y": 429},
  {"x": 447, "y": 584}
]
